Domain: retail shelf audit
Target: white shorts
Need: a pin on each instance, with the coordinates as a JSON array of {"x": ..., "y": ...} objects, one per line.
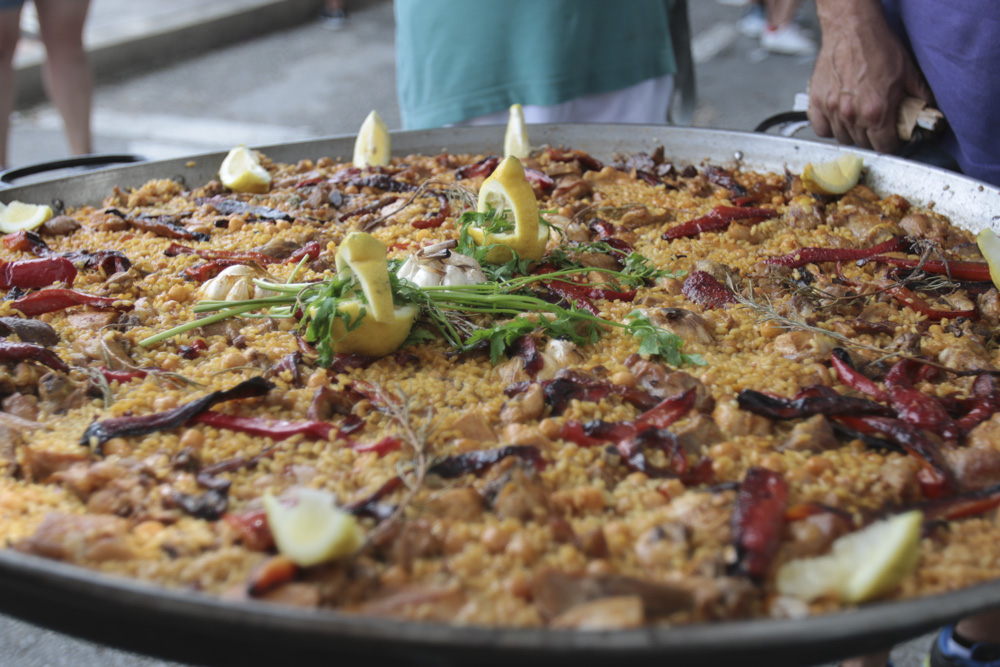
[{"x": 646, "y": 102}]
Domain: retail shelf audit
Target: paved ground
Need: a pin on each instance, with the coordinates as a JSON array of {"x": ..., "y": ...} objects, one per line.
[{"x": 197, "y": 75}]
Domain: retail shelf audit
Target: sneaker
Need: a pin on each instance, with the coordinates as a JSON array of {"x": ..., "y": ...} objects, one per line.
[
  {"x": 951, "y": 651},
  {"x": 332, "y": 20},
  {"x": 790, "y": 39},
  {"x": 753, "y": 22}
]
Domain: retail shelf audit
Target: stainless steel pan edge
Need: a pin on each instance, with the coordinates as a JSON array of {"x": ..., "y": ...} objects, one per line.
[
  {"x": 175, "y": 623},
  {"x": 967, "y": 202}
]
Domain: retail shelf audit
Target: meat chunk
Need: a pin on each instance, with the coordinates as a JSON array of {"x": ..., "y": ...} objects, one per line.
[
  {"x": 989, "y": 307},
  {"x": 684, "y": 323},
  {"x": 966, "y": 354},
  {"x": 614, "y": 613},
  {"x": 21, "y": 406},
  {"x": 571, "y": 187},
  {"x": 735, "y": 422},
  {"x": 472, "y": 424},
  {"x": 58, "y": 393},
  {"x": 556, "y": 593},
  {"x": 804, "y": 213},
  {"x": 463, "y": 504},
  {"x": 697, "y": 432},
  {"x": 29, "y": 331},
  {"x": 41, "y": 464},
  {"x": 803, "y": 346},
  {"x": 812, "y": 435},
  {"x": 661, "y": 382},
  {"x": 78, "y": 539},
  {"x": 526, "y": 406},
  {"x": 59, "y": 226},
  {"x": 977, "y": 465},
  {"x": 520, "y": 495},
  {"x": 814, "y": 534}
]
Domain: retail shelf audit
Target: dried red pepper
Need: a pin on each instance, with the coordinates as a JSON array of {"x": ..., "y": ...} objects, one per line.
[
  {"x": 121, "y": 377},
  {"x": 827, "y": 403},
  {"x": 702, "y": 288},
  {"x": 51, "y": 300},
  {"x": 936, "y": 478},
  {"x": 717, "y": 219},
  {"x": 915, "y": 407},
  {"x": 484, "y": 167},
  {"x": 914, "y": 302},
  {"x": 841, "y": 362},
  {"x": 369, "y": 505},
  {"x": 276, "y": 429},
  {"x": 381, "y": 447},
  {"x": 100, "y": 432},
  {"x": 984, "y": 404},
  {"x": 758, "y": 521},
  {"x": 311, "y": 250},
  {"x": 175, "y": 249},
  {"x": 962, "y": 505},
  {"x": 961, "y": 270},
  {"x": 29, "y": 351},
  {"x": 587, "y": 161},
  {"x": 800, "y": 258},
  {"x": 32, "y": 273},
  {"x": 669, "y": 410},
  {"x": 438, "y": 218}
]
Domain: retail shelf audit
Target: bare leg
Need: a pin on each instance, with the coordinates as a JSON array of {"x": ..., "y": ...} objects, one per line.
[
  {"x": 68, "y": 79},
  {"x": 870, "y": 660},
  {"x": 781, "y": 12},
  {"x": 10, "y": 27}
]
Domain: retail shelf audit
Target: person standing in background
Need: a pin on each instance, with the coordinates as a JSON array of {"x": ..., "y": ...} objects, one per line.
[
  {"x": 775, "y": 23},
  {"x": 66, "y": 73},
  {"x": 467, "y": 61}
]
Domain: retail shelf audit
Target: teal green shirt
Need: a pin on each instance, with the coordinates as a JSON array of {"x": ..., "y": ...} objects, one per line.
[{"x": 458, "y": 59}]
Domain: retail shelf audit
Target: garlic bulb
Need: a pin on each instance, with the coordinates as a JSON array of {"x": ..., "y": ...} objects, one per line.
[
  {"x": 235, "y": 283},
  {"x": 437, "y": 264}
]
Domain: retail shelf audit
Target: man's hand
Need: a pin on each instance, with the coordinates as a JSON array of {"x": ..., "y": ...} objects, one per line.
[{"x": 862, "y": 74}]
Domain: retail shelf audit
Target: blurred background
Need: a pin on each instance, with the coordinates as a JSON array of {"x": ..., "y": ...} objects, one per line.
[{"x": 189, "y": 76}]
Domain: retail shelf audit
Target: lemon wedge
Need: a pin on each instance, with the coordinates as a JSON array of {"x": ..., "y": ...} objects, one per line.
[
  {"x": 377, "y": 326},
  {"x": 861, "y": 566},
  {"x": 834, "y": 177},
  {"x": 16, "y": 216},
  {"x": 509, "y": 194},
  {"x": 313, "y": 530},
  {"x": 373, "y": 146},
  {"x": 989, "y": 245},
  {"x": 515, "y": 141},
  {"x": 241, "y": 171}
]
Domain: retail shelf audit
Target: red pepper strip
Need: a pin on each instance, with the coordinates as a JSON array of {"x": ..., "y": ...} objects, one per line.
[
  {"x": 775, "y": 407},
  {"x": 936, "y": 478},
  {"x": 962, "y": 270},
  {"x": 915, "y": 407},
  {"x": 540, "y": 182},
  {"x": 438, "y": 218},
  {"x": 581, "y": 302},
  {"x": 100, "y": 432},
  {"x": 568, "y": 386},
  {"x": 28, "y": 273},
  {"x": 758, "y": 521},
  {"x": 25, "y": 241},
  {"x": 669, "y": 410},
  {"x": 576, "y": 291},
  {"x": 597, "y": 432},
  {"x": 276, "y": 429},
  {"x": 121, "y": 377},
  {"x": 208, "y": 270},
  {"x": 702, "y": 288},
  {"x": 800, "y": 258},
  {"x": 244, "y": 255},
  {"x": 24, "y": 351},
  {"x": 841, "y": 362},
  {"x": 716, "y": 219},
  {"x": 526, "y": 348},
  {"x": 309, "y": 181},
  {"x": 913, "y": 301},
  {"x": 311, "y": 250},
  {"x": 194, "y": 349},
  {"x": 382, "y": 447},
  {"x": 484, "y": 167},
  {"x": 51, "y": 300},
  {"x": 985, "y": 403},
  {"x": 963, "y": 505},
  {"x": 483, "y": 459},
  {"x": 253, "y": 529}
]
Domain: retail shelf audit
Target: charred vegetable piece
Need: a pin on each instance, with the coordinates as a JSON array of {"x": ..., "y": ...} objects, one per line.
[
  {"x": 915, "y": 407},
  {"x": 758, "y": 521},
  {"x": 985, "y": 403},
  {"x": 906, "y": 295},
  {"x": 100, "y": 432},
  {"x": 29, "y": 331},
  {"x": 829, "y": 404},
  {"x": 960, "y": 270},
  {"x": 962, "y": 505}
]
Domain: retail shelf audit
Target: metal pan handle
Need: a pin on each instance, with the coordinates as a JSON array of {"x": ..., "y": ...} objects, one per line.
[{"x": 9, "y": 176}]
